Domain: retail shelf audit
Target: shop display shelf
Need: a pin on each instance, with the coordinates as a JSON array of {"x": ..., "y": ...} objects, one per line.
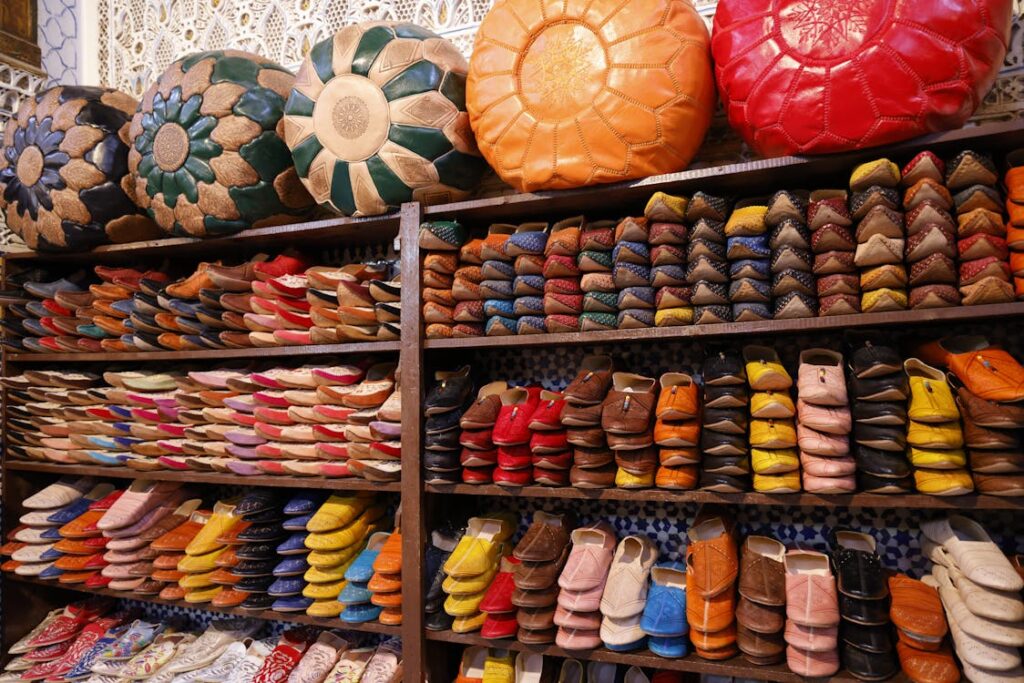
[
  {"x": 802, "y": 500},
  {"x": 268, "y": 615},
  {"x": 736, "y": 666},
  {"x": 216, "y": 478},
  {"x": 212, "y": 354},
  {"x": 956, "y": 314},
  {"x": 328, "y": 232}
]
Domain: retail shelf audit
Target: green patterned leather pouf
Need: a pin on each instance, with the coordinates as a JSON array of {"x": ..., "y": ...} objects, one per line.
[
  {"x": 207, "y": 153},
  {"x": 61, "y": 170},
  {"x": 378, "y": 117}
]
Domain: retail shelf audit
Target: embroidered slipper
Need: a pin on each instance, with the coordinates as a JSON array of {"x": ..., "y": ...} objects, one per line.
[
  {"x": 934, "y": 296},
  {"x": 838, "y": 304},
  {"x": 795, "y": 305},
  {"x": 838, "y": 284}
]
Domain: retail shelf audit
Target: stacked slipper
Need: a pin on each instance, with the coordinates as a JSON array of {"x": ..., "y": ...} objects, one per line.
[
  {"x": 631, "y": 274},
  {"x": 922, "y": 646},
  {"x": 59, "y": 630},
  {"x": 878, "y": 388},
  {"x": 875, "y": 205},
  {"x": 985, "y": 276},
  {"x": 593, "y": 464},
  {"x": 773, "y": 432},
  {"x": 386, "y": 580},
  {"x": 825, "y": 423},
  {"x": 934, "y": 435},
  {"x": 550, "y": 453},
  {"x": 812, "y": 614},
  {"x": 213, "y": 547},
  {"x": 625, "y": 593},
  {"x": 290, "y": 587},
  {"x": 707, "y": 270},
  {"x": 479, "y": 455},
  {"x": 442, "y": 543},
  {"x": 761, "y": 611},
  {"x": 627, "y": 417},
  {"x": 513, "y": 303},
  {"x": 931, "y": 233},
  {"x": 724, "y": 446},
  {"x": 667, "y": 235},
  {"x": 500, "y": 615},
  {"x": 542, "y": 553},
  {"x": 600, "y": 298},
  {"x": 81, "y": 541},
  {"x": 829, "y": 219},
  {"x": 712, "y": 571},
  {"x": 1014, "y": 228},
  {"x": 664, "y": 616},
  {"x": 451, "y": 295},
  {"x": 167, "y": 540},
  {"x": 794, "y": 292},
  {"x": 560, "y": 278},
  {"x": 677, "y": 431},
  {"x": 472, "y": 566},
  {"x": 749, "y": 254},
  {"x": 512, "y": 434},
  {"x": 444, "y": 406}
]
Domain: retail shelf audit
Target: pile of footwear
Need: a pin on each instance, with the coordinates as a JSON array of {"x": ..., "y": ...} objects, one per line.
[
  {"x": 724, "y": 447},
  {"x": 502, "y": 666},
  {"x": 88, "y": 639},
  {"x": 542, "y": 553},
  {"x": 712, "y": 570},
  {"x": 922, "y": 647},
  {"x": 1015, "y": 224},
  {"x": 323, "y": 420},
  {"x": 824, "y": 423},
  {"x": 469, "y": 570},
  {"x": 761, "y": 608},
  {"x": 704, "y": 259},
  {"x": 312, "y": 553},
  {"x": 773, "y": 435},
  {"x": 980, "y": 592},
  {"x": 263, "y": 302}
]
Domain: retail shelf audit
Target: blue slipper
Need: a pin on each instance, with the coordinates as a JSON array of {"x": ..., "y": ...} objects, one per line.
[
  {"x": 297, "y": 523},
  {"x": 296, "y": 603},
  {"x": 181, "y": 306},
  {"x": 125, "y": 442},
  {"x": 287, "y": 586},
  {"x": 355, "y": 593},
  {"x": 497, "y": 270},
  {"x": 125, "y": 306},
  {"x": 304, "y": 503},
  {"x": 672, "y": 648},
  {"x": 499, "y": 307},
  {"x": 291, "y": 566},
  {"x": 664, "y": 613},
  {"x": 358, "y": 614},
  {"x": 125, "y": 427},
  {"x": 51, "y": 534},
  {"x": 361, "y": 569},
  {"x": 123, "y": 411},
  {"x": 628, "y": 647},
  {"x": 294, "y": 544},
  {"x": 104, "y": 442},
  {"x": 50, "y": 572},
  {"x": 107, "y": 457},
  {"x": 71, "y": 512}
]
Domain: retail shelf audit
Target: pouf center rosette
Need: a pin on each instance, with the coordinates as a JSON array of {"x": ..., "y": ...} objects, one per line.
[
  {"x": 581, "y": 92},
  {"x": 208, "y": 156},
  {"x": 816, "y": 76},
  {"x": 61, "y": 169},
  {"x": 378, "y": 117}
]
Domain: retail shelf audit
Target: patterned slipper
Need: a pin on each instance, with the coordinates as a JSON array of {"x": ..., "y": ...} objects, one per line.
[
  {"x": 747, "y": 247},
  {"x": 751, "y": 312},
  {"x": 747, "y": 219},
  {"x": 531, "y": 324},
  {"x": 496, "y": 289},
  {"x": 672, "y": 317},
  {"x": 706, "y": 315},
  {"x": 668, "y": 255},
  {"x": 666, "y": 208},
  {"x": 988, "y": 290},
  {"x": 791, "y": 233},
  {"x": 437, "y": 331},
  {"x": 600, "y": 302},
  {"x": 632, "y": 229},
  {"x": 500, "y": 326},
  {"x": 433, "y": 279},
  {"x": 757, "y": 269},
  {"x": 529, "y": 264},
  {"x": 937, "y": 269},
  {"x": 838, "y": 304},
  {"x": 828, "y": 206},
  {"x": 978, "y": 197},
  {"x": 562, "y": 323},
  {"x": 832, "y": 262},
  {"x": 631, "y": 252},
  {"x": 497, "y": 270},
  {"x": 598, "y": 236},
  {"x": 442, "y": 235},
  {"x": 633, "y": 318},
  {"x": 471, "y": 252},
  {"x": 981, "y": 246},
  {"x": 981, "y": 221},
  {"x": 469, "y": 312},
  {"x": 840, "y": 283},
  {"x": 884, "y": 299},
  {"x": 927, "y": 213},
  {"x": 636, "y": 297},
  {"x": 891, "y": 276},
  {"x": 862, "y": 202},
  {"x": 703, "y": 205},
  {"x": 565, "y": 237},
  {"x": 706, "y": 269},
  {"x": 673, "y": 297},
  {"x": 879, "y": 250},
  {"x": 493, "y": 246},
  {"x": 970, "y": 168},
  {"x": 667, "y": 233},
  {"x": 934, "y": 296},
  {"x": 792, "y": 258},
  {"x": 747, "y": 290},
  {"x": 795, "y": 305},
  {"x": 877, "y": 172},
  {"x": 668, "y": 276},
  {"x": 709, "y": 294},
  {"x": 977, "y": 270},
  {"x": 591, "y": 261},
  {"x": 527, "y": 305},
  {"x": 927, "y": 189},
  {"x": 785, "y": 205},
  {"x": 924, "y": 165},
  {"x": 598, "y": 282},
  {"x": 590, "y": 322},
  {"x": 562, "y": 286},
  {"x": 527, "y": 238},
  {"x": 563, "y": 304}
]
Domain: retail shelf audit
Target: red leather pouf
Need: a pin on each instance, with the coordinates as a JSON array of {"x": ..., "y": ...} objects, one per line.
[{"x": 814, "y": 76}]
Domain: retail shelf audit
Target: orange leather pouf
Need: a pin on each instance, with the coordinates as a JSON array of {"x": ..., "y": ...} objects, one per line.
[{"x": 581, "y": 92}]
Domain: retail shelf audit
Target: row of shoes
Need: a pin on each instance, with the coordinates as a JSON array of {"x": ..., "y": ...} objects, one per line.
[
  {"x": 494, "y": 665},
  {"x": 326, "y": 556},
  {"x": 609, "y": 428},
  {"x": 582, "y": 588},
  {"x": 705, "y": 259},
  {"x": 91, "y": 641},
  {"x": 312, "y": 420},
  {"x": 285, "y": 301}
]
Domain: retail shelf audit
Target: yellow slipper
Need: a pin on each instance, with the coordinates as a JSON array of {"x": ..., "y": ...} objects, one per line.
[
  {"x": 480, "y": 547},
  {"x": 324, "y": 591},
  {"x": 470, "y": 584},
  {"x": 670, "y": 317},
  {"x": 222, "y": 520},
  {"x": 201, "y": 580},
  {"x": 328, "y": 574},
  {"x": 747, "y": 221},
  {"x": 468, "y": 624},
  {"x": 772, "y": 434},
  {"x": 193, "y": 564},
  {"x": 666, "y": 208},
  {"x": 772, "y": 404},
  {"x": 787, "y": 482},
  {"x": 764, "y": 369},
  {"x": 203, "y": 594},
  {"x": 931, "y": 399},
  {"x": 337, "y": 511},
  {"x": 348, "y": 535},
  {"x": 332, "y": 558},
  {"x": 463, "y": 605},
  {"x": 878, "y": 172},
  {"x": 774, "y": 460},
  {"x": 499, "y": 668},
  {"x": 628, "y": 480},
  {"x": 325, "y": 608},
  {"x": 943, "y": 482},
  {"x": 938, "y": 459},
  {"x": 939, "y": 435}
]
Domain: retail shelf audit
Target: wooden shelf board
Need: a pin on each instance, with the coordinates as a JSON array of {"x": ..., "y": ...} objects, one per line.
[
  {"x": 212, "y": 354},
  {"x": 269, "y": 615},
  {"x": 332, "y": 232},
  {"x": 797, "y": 326},
  {"x": 803, "y": 500},
  {"x": 736, "y": 666},
  {"x": 748, "y": 178},
  {"x": 219, "y": 478}
]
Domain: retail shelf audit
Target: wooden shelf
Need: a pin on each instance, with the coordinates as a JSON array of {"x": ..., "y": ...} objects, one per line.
[
  {"x": 329, "y": 232},
  {"x": 722, "y": 330},
  {"x": 803, "y": 500},
  {"x": 212, "y": 354},
  {"x": 736, "y": 666},
  {"x": 217, "y": 478},
  {"x": 269, "y": 615}
]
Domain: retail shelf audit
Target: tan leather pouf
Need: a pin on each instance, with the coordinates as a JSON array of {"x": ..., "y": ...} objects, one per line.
[{"x": 582, "y": 92}]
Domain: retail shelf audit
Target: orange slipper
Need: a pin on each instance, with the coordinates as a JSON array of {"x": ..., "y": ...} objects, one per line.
[{"x": 389, "y": 560}]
